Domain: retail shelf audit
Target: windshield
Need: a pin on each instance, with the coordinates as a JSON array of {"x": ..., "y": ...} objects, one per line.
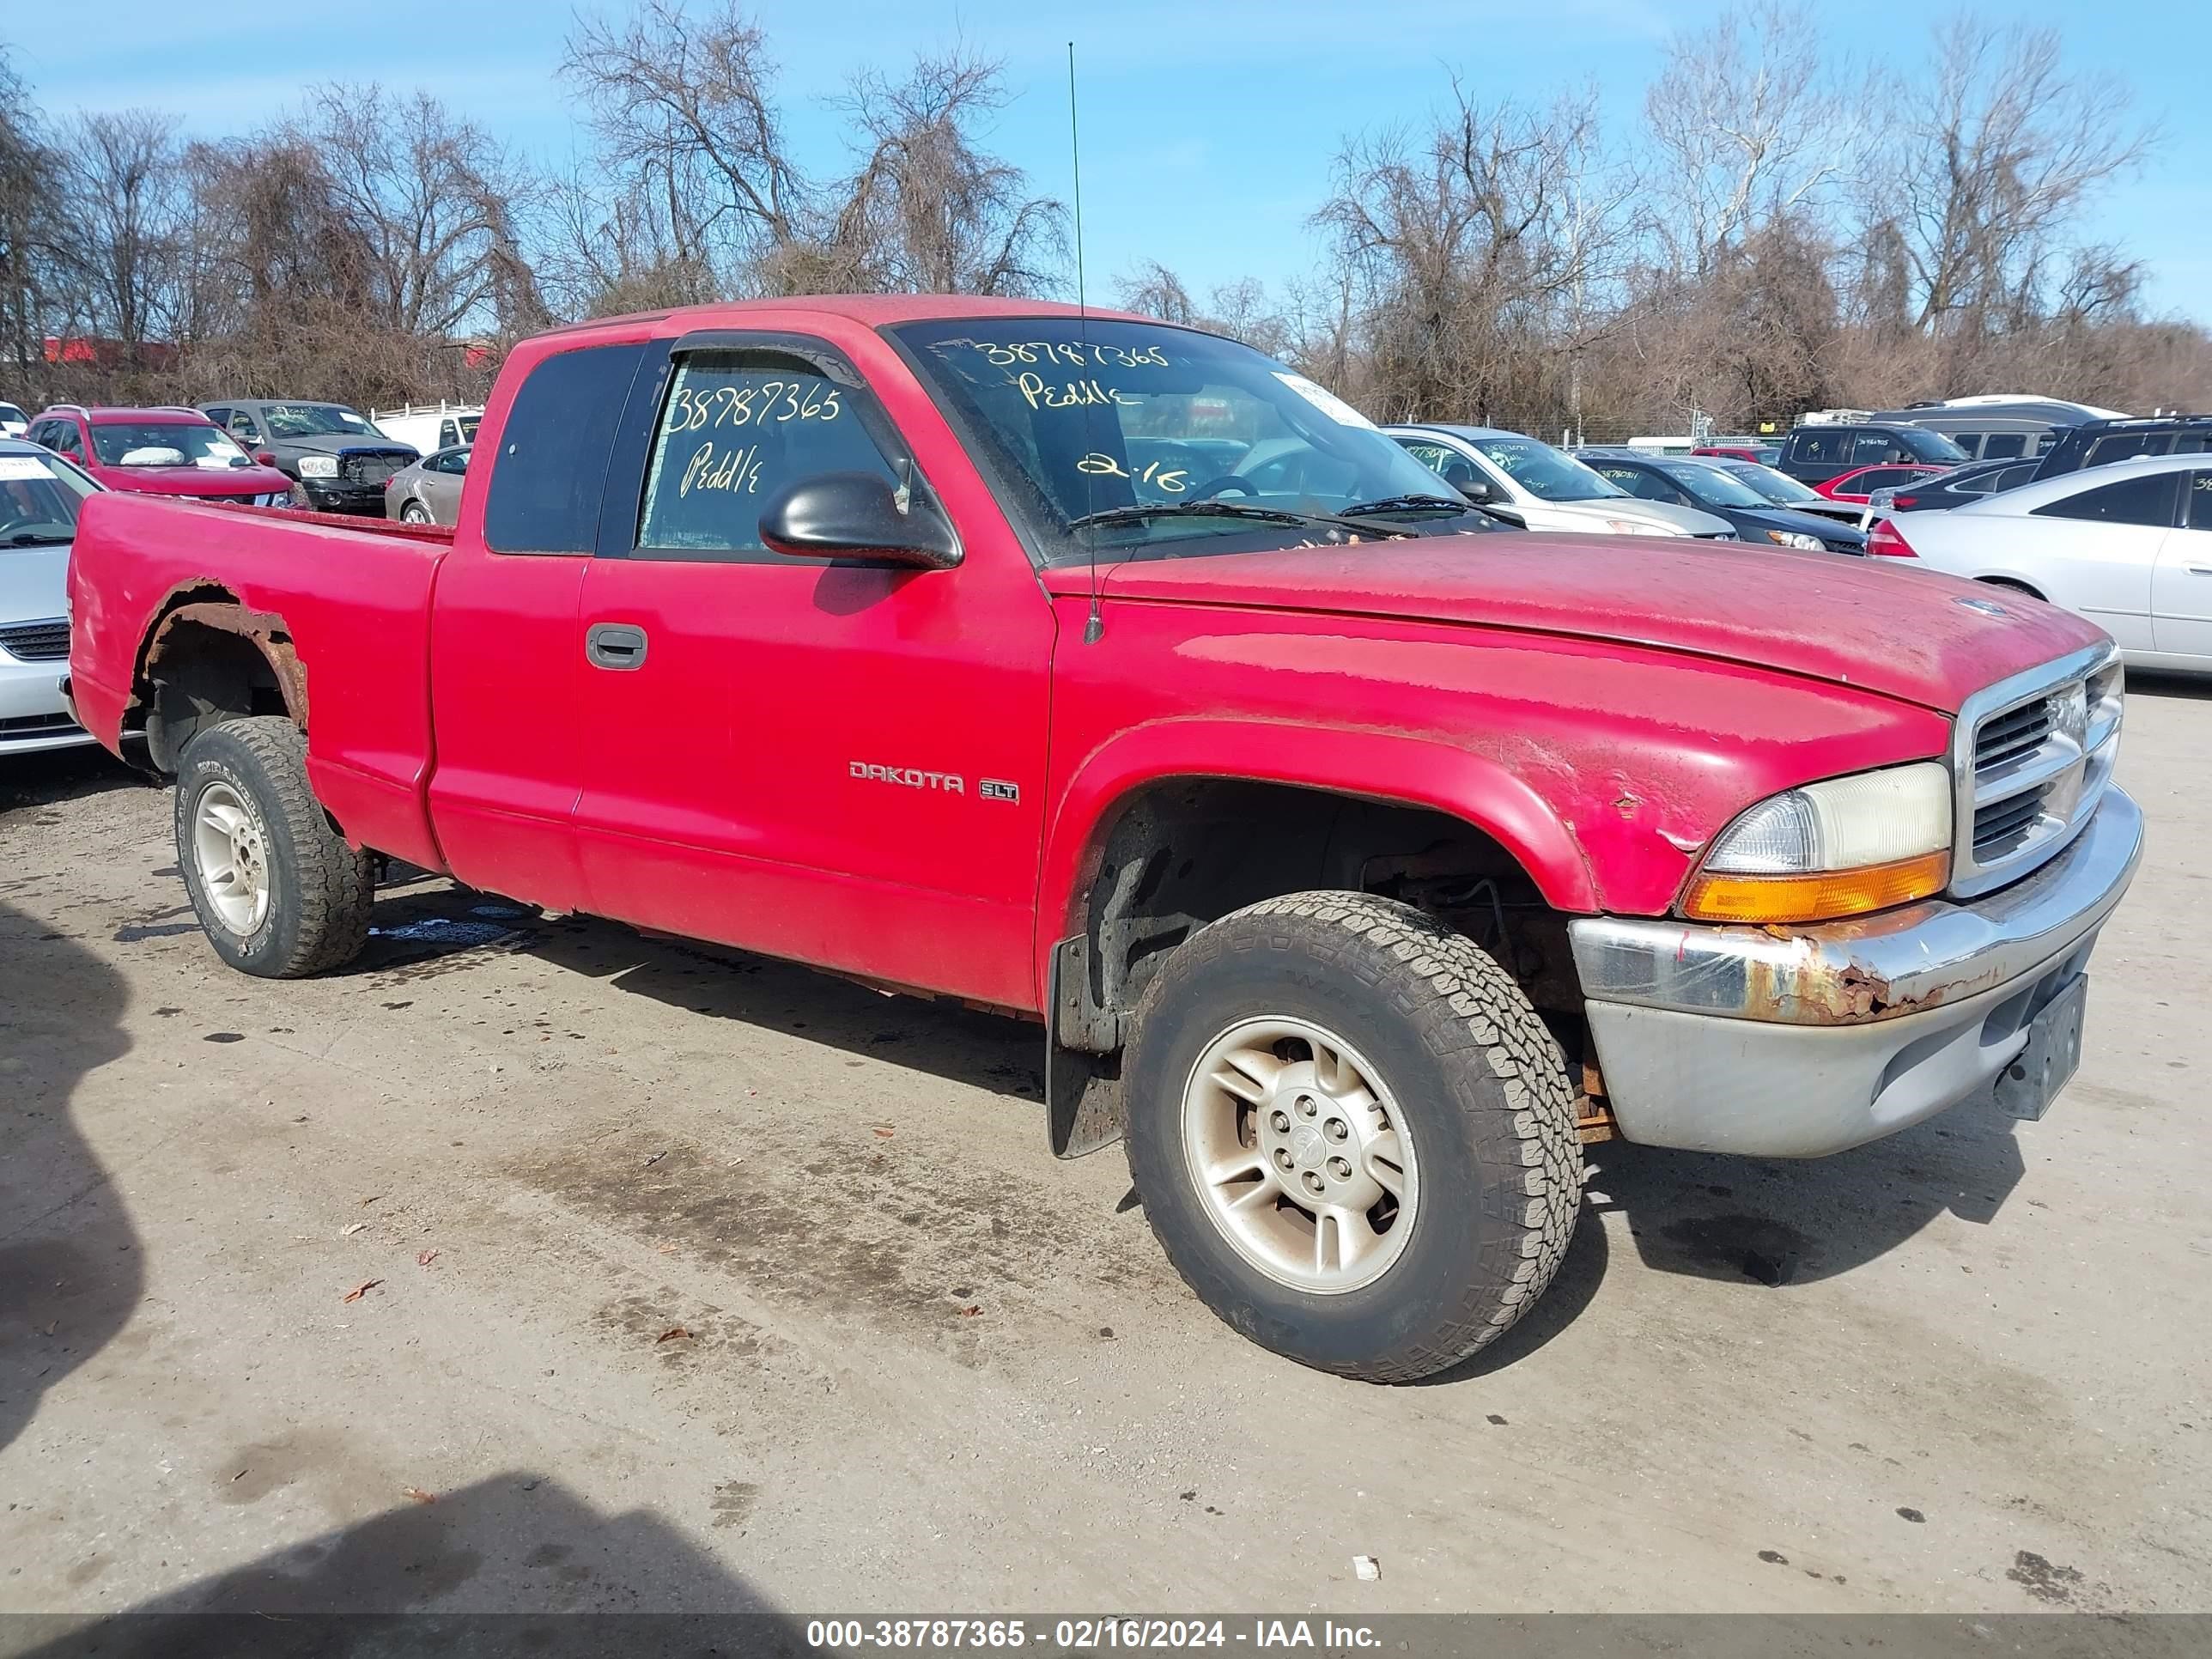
[
  {"x": 1548, "y": 474},
  {"x": 39, "y": 501},
  {"x": 1777, "y": 487},
  {"x": 1080, "y": 416},
  {"x": 1711, "y": 487},
  {"x": 1926, "y": 445},
  {"x": 316, "y": 421},
  {"x": 165, "y": 443},
  {"x": 13, "y": 415}
]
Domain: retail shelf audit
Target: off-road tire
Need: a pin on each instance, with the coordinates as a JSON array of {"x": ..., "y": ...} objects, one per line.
[
  {"x": 320, "y": 888},
  {"x": 1479, "y": 1082}
]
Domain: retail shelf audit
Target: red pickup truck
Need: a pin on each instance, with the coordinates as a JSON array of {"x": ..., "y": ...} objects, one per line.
[{"x": 1110, "y": 674}]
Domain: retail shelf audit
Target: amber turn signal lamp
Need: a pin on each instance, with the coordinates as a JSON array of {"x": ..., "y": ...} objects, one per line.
[{"x": 1821, "y": 896}]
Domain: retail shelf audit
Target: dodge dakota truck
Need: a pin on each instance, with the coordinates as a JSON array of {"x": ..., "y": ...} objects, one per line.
[{"x": 1109, "y": 674}]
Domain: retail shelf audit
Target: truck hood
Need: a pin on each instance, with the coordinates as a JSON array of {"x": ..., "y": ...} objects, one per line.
[{"x": 1906, "y": 634}]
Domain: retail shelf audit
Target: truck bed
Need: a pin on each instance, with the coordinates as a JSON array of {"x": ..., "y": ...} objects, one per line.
[{"x": 354, "y": 595}]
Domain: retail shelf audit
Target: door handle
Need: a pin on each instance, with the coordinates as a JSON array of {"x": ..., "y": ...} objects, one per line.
[
  {"x": 2200, "y": 569},
  {"x": 614, "y": 645}
]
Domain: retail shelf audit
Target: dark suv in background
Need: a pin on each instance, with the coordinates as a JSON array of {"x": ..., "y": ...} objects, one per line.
[
  {"x": 335, "y": 453},
  {"x": 1817, "y": 452},
  {"x": 2094, "y": 443}
]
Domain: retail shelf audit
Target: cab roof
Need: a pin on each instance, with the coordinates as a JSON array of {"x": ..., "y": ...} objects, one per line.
[{"x": 871, "y": 310}]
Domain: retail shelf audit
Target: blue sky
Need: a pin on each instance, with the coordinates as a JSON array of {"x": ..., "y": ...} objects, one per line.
[{"x": 1208, "y": 128}]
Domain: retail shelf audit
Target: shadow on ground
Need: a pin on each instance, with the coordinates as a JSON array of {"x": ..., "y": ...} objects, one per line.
[
  {"x": 54, "y": 776},
  {"x": 1779, "y": 1221},
  {"x": 512, "y": 1565},
  {"x": 1771, "y": 1222},
  {"x": 70, "y": 1272}
]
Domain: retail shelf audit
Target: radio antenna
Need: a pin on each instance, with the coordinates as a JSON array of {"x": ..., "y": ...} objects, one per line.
[{"x": 1096, "y": 625}]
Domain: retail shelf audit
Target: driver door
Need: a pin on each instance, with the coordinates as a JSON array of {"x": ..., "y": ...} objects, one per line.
[{"x": 836, "y": 760}]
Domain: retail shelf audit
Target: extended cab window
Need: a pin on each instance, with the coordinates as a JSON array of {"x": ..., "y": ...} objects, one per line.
[
  {"x": 552, "y": 460},
  {"x": 737, "y": 427},
  {"x": 2148, "y": 499},
  {"x": 2200, "y": 501}
]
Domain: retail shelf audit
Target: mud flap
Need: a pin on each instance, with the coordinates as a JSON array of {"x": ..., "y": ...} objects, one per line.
[{"x": 1082, "y": 1090}]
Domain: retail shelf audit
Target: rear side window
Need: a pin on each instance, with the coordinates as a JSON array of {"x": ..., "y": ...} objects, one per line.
[
  {"x": 2003, "y": 445},
  {"x": 1820, "y": 449},
  {"x": 2148, "y": 499},
  {"x": 552, "y": 460},
  {"x": 2119, "y": 445},
  {"x": 2200, "y": 501}
]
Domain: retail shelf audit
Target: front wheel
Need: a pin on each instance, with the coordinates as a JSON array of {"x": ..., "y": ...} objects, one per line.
[
  {"x": 1351, "y": 1133},
  {"x": 278, "y": 892}
]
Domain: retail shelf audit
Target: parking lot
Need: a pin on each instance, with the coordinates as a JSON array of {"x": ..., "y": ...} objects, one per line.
[{"x": 534, "y": 1263}]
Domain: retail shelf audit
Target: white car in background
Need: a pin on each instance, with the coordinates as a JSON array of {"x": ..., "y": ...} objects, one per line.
[
  {"x": 1547, "y": 487},
  {"x": 40, "y": 496},
  {"x": 14, "y": 424},
  {"x": 2128, "y": 546}
]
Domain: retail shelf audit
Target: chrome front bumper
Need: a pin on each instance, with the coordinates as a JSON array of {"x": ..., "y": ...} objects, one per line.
[{"x": 1736, "y": 1040}]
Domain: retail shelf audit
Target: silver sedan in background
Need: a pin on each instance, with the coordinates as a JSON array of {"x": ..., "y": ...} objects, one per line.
[{"x": 428, "y": 491}]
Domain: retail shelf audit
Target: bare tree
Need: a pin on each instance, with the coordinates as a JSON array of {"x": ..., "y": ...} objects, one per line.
[
  {"x": 127, "y": 193},
  {"x": 1992, "y": 166},
  {"x": 31, "y": 225},
  {"x": 691, "y": 143},
  {"x": 1468, "y": 246},
  {"x": 1748, "y": 127},
  {"x": 928, "y": 210}
]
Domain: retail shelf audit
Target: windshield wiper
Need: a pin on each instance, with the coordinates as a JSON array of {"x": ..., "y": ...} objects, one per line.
[
  {"x": 31, "y": 539},
  {"x": 1409, "y": 503},
  {"x": 1143, "y": 510}
]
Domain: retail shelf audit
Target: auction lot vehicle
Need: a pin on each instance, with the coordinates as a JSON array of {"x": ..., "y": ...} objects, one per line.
[
  {"x": 1711, "y": 488},
  {"x": 159, "y": 452},
  {"x": 2099, "y": 443},
  {"x": 1089, "y": 669},
  {"x": 1818, "y": 451},
  {"x": 2128, "y": 546},
  {"x": 40, "y": 497},
  {"x": 428, "y": 491},
  {"x": 1782, "y": 491},
  {"x": 340, "y": 459},
  {"x": 13, "y": 420},
  {"x": 1547, "y": 487}
]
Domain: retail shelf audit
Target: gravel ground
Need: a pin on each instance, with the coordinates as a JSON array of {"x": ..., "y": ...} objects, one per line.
[{"x": 694, "y": 1280}]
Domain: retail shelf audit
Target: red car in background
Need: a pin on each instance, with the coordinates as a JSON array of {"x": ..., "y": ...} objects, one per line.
[
  {"x": 1862, "y": 482},
  {"x": 1764, "y": 454},
  {"x": 160, "y": 451}
]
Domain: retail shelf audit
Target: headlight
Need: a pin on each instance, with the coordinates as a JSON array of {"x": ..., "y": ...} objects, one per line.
[
  {"x": 318, "y": 466},
  {"x": 1796, "y": 538},
  {"x": 1836, "y": 849},
  {"x": 1636, "y": 527}
]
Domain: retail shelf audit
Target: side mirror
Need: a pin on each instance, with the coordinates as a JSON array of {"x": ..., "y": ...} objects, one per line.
[
  {"x": 265, "y": 457},
  {"x": 1479, "y": 491},
  {"x": 856, "y": 515}
]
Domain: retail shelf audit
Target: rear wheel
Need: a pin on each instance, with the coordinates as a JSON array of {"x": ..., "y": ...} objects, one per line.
[
  {"x": 415, "y": 513},
  {"x": 277, "y": 891},
  {"x": 1351, "y": 1133}
]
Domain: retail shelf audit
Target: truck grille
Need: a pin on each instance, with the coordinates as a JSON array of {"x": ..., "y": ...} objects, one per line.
[
  {"x": 2032, "y": 756},
  {"x": 37, "y": 641},
  {"x": 359, "y": 466}
]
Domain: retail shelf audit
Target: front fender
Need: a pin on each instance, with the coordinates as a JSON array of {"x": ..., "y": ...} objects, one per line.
[{"x": 1373, "y": 765}]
